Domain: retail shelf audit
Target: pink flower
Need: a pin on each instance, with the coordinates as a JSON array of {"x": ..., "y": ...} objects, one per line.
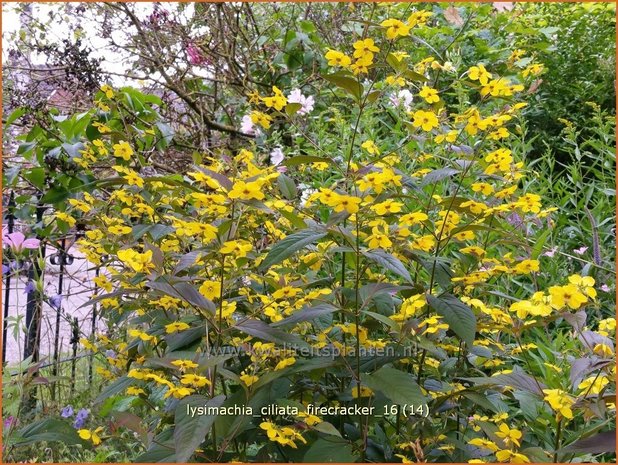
[
  {"x": 247, "y": 125},
  {"x": 581, "y": 250},
  {"x": 551, "y": 252},
  {"x": 195, "y": 54},
  {"x": 605, "y": 288},
  {"x": 276, "y": 156},
  {"x": 404, "y": 98},
  {"x": 18, "y": 242},
  {"x": 306, "y": 102}
]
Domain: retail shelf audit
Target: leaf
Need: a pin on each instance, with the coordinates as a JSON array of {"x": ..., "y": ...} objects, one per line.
[
  {"x": 307, "y": 314},
  {"x": 393, "y": 325},
  {"x": 118, "y": 386},
  {"x": 287, "y": 246},
  {"x": 304, "y": 159},
  {"x": 184, "y": 291},
  {"x": 330, "y": 450},
  {"x": 438, "y": 175},
  {"x": 292, "y": 108},
  {"x": 580, "y": 367},
  {"x": 190, "y": 431},
  {"x": 598, "y": 444},
  {"x": 36, "y": 176},
  {"x": 264, "y": 331},
  {"x": 49, "y": 429},
  {"x": 327, "y": 428},
  {"x": 459, "y": 316},
  {"x": 390, "y": 262},
  {"x": 451, "y": 14},
  {"x": 518, "y": 380},
  {"x": 287, "y": 186},
  {"x": 398, "y": 386},
  {"x": 18, "y": 113},
  {"x": 347, "y": 83},
  {"x": 55, "y": 195}
]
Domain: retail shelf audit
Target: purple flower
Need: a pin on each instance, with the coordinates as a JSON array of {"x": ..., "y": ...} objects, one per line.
[
  {"x": 247, "y": 126},
  {"x": 195, "y": 54},
  {"x": 10, "y": 421},
  {"x": 581, "y": 250},
  {"x": 110, "y": 353},
  {"x": 18, "y": 242},
  {"x": 29, "y": 287},
  {"x": 67, "y": 412},
  {"x": 80, "y": 418},
  {"x": 605, "y": 288},
  {"x": 403, "y": 98},
  {"x": 5, "y": 269},
  {"x": 56, "y": 301}
]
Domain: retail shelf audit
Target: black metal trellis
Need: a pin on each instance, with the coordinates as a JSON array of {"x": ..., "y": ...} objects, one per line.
[{"x": 45, "y": 337}]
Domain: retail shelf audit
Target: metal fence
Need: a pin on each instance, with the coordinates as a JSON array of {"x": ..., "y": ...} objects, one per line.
[{"x": 46, "y": 324}]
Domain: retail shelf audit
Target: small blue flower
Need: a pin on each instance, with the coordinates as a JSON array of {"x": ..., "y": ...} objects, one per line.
[
  {"x": 80, "y": 418},
  {"x": 5, "y": 269},
  {"x": 110, "y": 353},
  {"x": 55, "y": 301},
  {"x": 67, "y": 412},
  {"x": 29, "y": 287}
]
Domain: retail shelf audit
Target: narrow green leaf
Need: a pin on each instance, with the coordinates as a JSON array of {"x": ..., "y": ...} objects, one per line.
[{"x": 289, "y": 245}]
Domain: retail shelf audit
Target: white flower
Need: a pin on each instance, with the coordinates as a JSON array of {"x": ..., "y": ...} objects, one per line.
[
  {"x": 247, "y": 125},
  {"x": 306, "y": 102},
  {"x": 403, "y": 98},
  {"x": 276, "y": 156}
]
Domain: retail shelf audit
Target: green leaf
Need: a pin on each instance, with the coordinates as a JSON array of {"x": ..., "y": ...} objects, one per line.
[
  {"x": 517, "y": 379},
  {"x": 184, "y": 291},
  {"x": 438, "y": 175},
  {"x": 304, "y": 159},
  {"x": 307, "y": 314},
  {"x": 18, "y": 113},
  {"x": 49, "y": 429},
  {"x": 347, "y": 83},
  {"x": 55, "y": 195},
  {"x": 190, "y": 431},
  {"x": 289, "y": 245},
  {"x": 292, "y": 108},
  {"x": 330, "y": 450},
  {"x": 118, "y": 386},
  {"x": 287, "y": 187},
  {"x": 327, "y": 428},
  {"x": 396, "y": 385},
  {"x": 264, "y": 331},
  {"x": 389, "y": 261},
  {"x": 459, "y": 316},
  {"x": 36, "y": 176}
]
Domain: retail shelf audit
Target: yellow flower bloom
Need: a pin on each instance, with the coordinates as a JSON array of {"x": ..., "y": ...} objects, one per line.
[
  {"x": 123, "y": 150},
  {"x": 395, "y": 28},
  {"x": 176, "y": 326},
  {"x": 509, "y": 435},
  {"x": 429, "y": 94},
  {"x": 246, "y": 191},
  {"x": 92, "y": 436},
  {"x": 426, "y": 120}
]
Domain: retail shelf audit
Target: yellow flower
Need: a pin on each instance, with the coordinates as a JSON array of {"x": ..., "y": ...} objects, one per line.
[
  {"x": 248, "y": 379},
  {"x": 264, "y": 120},
  {"x": 484, "y": 443},
  {"x": 559, "y": 401},
  {"x": 123, "y": 150},
  {"x": 92, "y": 436},
  {"x": 134, "y": 391},
  {"x": 527, "y": 266},
  {"x": 512, "y": 457},
  {"x": 336, "y": 58},
  {"x": 479, "y": 73},
  {"x": 364, "y": 392},
  {"x": 277, "y": 101},
  {"x": 176, "y": 326},
  {"x": 286, "y": 362},
  {"x": 139, "y": 262},
  {"x": 238, "y": 248},
  {"x": 195, "y": 380},
  {"x": 570, "y": 295},
  {"x": 509, "y": 435},
  {"x": 426, "y": 120},
  {"x": 178, "y": 392},
  {"x": 593, "y": 384},
  {"x": 364, "y": 47},
  {"x": 183, "y": 365},
  {"x": 395, "y": 28},
  {"x": 246, "y": 191},
  {"x": 371, "y": 147},
  {"x": 429, "y": 94},
  {"x": 211, "y": 289},
  {"x": 68, "y": 219},
  {"x": 346, "y": 202},
  {"x": 120, "y": 230},
  {"x": 109, "y": 92}
]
